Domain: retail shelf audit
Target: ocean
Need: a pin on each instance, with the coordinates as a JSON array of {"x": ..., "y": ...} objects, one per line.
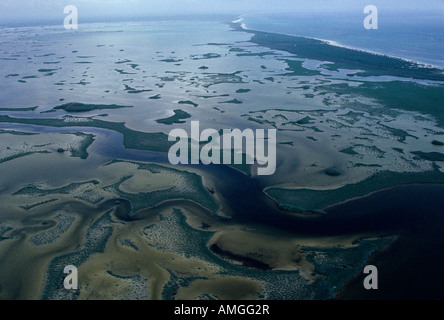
[
  {"x": 342, "y": 136},
  {"x": 413, "y": 36}
]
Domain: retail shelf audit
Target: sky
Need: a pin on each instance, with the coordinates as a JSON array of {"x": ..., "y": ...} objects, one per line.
[{"x": 30, "y": 11}]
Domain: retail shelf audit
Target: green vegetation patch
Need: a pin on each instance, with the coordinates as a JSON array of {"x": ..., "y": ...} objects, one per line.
[
  {"x": 306, "y": 120},
  {"x": 314, "y": 200},
  {"x": 337, "y": 265},
  {"x": 295, "y": 68},
  {"x": 430, "y": 156},
  {"x": 332, "y": 172},
  {"x": 349, "y": 151},
  {"x": 19, "y": 155},
  {"x": 32, "y": 206},
  {"x": 51, "y": 235},
  {"x": 81, "y": 150},
  {"x": 131, "y": 139},
  {"x": 171, "y": 60},
  {"x": 122, "y": 71},
  {"x": 97, "y": 236},
  {"x": 256, "y": 54},
  {"x": 81, "y": 107},
  {"x": 34, "y": 190},
  {"x": 401, "y": 95},
  {"x": 234, "y": 101},
  {"x": 18, "y": 133},
  {"x": 214, "y": 96},
  {"x": 47, "y": 70},
  {"x": 178, "y": 117},
  {"x": 19, "y": 109},
  {"x": 345, "y": 58},
  {"x": 85, "y": 191},
  {"x": 129, "y": 89},
  {"x": 188, "y": 186},
  {"x": 189, "y": 102},
  {"x": 206, "y": 56},
  {"x": 221, "y": 78}
]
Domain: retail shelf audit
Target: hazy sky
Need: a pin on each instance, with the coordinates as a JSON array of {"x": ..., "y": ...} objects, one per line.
[{"x": 18, "y": 11}]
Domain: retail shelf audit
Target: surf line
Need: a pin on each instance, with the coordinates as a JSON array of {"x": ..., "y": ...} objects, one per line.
[{"x": 226, "y": 146}]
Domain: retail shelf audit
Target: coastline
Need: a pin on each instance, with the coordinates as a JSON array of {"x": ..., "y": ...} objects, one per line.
[
  {"x": 174, "y": 227},
  {"x": 243, "y": 26},
  {"x": 334, "y": 51},
  {"x": 307, "y": 200}
]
